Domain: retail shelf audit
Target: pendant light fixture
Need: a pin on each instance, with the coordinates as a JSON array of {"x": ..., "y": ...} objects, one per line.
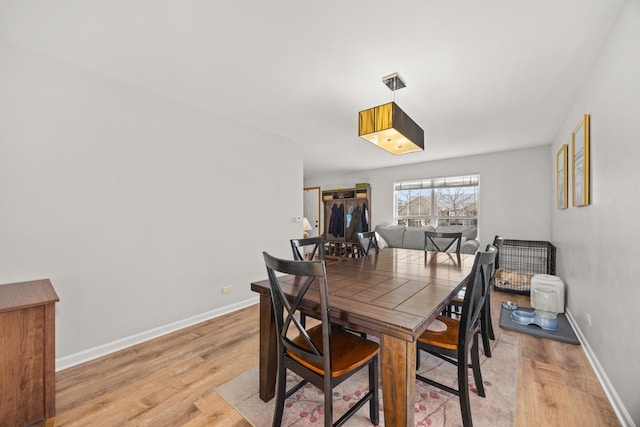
[{"x": 390, "y": 128}]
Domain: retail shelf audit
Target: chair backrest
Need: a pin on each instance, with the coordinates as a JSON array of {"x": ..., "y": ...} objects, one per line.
[
  {"x": 477, "y": 289},
  {"x": 497, "y": 242},
  {"x": 315, "y": 243},
  {"x": 448, "y": 239},
  {"x": 306, "y": 280},
  {"x": 368, "y": 241}
]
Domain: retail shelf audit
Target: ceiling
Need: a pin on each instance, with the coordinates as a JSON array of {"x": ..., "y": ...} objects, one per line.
[{"x": 481, "y": 76}]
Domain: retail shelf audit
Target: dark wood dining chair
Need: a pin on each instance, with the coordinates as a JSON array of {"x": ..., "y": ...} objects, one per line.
[
  {"x": 315, "y": 244},
  {"x": 486, "y": 323},
  {"x": 460, "y": 338},
  {"x": 442, "y": 242},
  {"x": 323, "y": 355},
  {"x": 368, "y": 241},
  {"x": 439, "y": 239}
]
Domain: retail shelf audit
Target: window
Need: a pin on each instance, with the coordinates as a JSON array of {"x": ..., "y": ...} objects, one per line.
[{"x": 437, "y": 201}]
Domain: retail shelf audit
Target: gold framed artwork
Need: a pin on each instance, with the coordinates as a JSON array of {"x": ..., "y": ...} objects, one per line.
[
  {"x": 580, "y": 162},
  {"x": 562, "y": 177}
]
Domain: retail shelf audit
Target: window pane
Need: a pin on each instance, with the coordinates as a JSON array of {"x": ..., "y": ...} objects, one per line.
[
  {"x": 419, "y": 202},
  {"x": 458, "y": 201},
  {"x": 457, "y": 206},
  {"x": 455, "y": 203},
  {"x": 401, "y": 203},
  {"x": 413, "y": 203}
]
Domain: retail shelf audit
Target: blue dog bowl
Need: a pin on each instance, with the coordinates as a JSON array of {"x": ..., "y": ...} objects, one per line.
[{"x": 531, "y": 318}]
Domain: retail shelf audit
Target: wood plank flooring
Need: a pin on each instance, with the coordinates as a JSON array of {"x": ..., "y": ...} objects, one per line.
[
  {"x": 556, "y": 385},
  {"x": 171, "y": 381}
]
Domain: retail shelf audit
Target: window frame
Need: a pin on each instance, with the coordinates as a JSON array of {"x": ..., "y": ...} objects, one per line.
[{"x": 433, "y": 185}]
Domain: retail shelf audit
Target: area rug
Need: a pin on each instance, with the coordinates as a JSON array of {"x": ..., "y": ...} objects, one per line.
[
  {"x": 564, "y": 333},
  {"x": 433, "y": 407}
]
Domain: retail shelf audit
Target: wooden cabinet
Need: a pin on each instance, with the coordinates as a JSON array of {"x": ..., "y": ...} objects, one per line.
[
  {"x": 27, "y": 353},
  {"x": 346, "y": 212}
]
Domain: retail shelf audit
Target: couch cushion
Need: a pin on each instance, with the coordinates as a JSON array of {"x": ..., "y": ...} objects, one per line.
[
  {"x": 469, "y": 232},
  {"x": 392, "y": 234},
  {"x": 414, "y": 237}
]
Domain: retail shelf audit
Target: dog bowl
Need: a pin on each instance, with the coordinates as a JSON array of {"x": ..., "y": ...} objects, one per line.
[
  {"x": 530, "y": 318},
  {"x": 510, "y": 305}
]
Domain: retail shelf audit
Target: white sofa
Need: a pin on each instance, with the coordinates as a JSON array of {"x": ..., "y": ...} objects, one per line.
[{"x": 399, "y": 236}]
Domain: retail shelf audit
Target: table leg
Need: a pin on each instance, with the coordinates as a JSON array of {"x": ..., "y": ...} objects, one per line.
[
  {"x": 268, "y": 350},
  {"x": 398, "y": 369}
]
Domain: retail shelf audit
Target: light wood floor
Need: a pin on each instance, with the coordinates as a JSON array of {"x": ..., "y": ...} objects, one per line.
[{"x": 171, "y": 380}]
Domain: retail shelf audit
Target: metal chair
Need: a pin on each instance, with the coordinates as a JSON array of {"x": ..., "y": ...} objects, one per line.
[
  {"x": 452, "y": 344},
  {"x": 323, "y": 355}
]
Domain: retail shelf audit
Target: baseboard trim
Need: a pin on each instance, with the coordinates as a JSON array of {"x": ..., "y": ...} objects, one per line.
[
  {"x": 111, "y": 347},
  {"x": 623, "y": 415}
]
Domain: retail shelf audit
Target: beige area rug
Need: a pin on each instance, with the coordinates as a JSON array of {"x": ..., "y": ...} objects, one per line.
[{"x": 434, "y": 407}]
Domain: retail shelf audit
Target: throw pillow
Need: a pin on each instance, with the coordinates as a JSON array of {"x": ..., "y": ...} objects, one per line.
[{"x": 381, "y": 242}]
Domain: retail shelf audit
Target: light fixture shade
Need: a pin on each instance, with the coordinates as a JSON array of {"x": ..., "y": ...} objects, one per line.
[
  {"x": 306, "y": 226},
  {"x": 390, "y": 128}
]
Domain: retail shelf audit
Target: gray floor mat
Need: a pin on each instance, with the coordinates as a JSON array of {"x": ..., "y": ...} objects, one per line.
[{"x": 564, "y": 333}]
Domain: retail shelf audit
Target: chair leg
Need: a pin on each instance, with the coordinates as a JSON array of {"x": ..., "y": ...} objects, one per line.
[
  {"x": 487, "y": 326},
  {"x": 489, "y": 321},
  {"x": 485, "y": 334},
  {"x": 374, "y": 409},
  {"x": 463, "y": 391},
  {"x": 280, "y": 395},
  {"x": 328, "y": 402},
  {"x": 475, "y": 366}
]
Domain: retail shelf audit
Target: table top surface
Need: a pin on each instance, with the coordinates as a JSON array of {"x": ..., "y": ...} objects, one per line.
[
  {"x": 396, "y": 292},
  {"x": 18, "y": 296}
]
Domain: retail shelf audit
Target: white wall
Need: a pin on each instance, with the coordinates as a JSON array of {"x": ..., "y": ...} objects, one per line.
[
  {"x": 598, "y": 244},
  {"x": 138, "y": 208},
  {"x": 514, "y": 190}
]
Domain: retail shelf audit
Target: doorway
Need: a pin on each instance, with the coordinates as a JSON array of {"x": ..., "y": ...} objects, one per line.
[{"x": 312, "y": 210}]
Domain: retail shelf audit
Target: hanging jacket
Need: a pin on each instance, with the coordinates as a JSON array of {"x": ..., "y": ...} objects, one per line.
[
  {"x": 349, "y": 215},
  {"x": 336, "y": 222},
  {"x": 332, "y": 220},
  {"x": 352, "y": 231},
  {"x": 364, "y": 220}
]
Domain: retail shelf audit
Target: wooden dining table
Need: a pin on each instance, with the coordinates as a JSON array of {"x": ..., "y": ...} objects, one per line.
[{"x": 392, "y": 295}]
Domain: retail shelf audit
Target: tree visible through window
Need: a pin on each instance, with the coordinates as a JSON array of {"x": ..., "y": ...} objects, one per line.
[{"x": 437, "y": 201}]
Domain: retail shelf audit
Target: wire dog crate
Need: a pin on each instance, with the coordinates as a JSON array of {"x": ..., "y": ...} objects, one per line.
[{"x": 519, "y": 260}]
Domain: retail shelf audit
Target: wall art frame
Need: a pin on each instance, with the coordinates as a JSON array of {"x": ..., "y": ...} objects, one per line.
[
  {"x": 562, "y": 177},
  {"x": 580, "y": 162}
]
